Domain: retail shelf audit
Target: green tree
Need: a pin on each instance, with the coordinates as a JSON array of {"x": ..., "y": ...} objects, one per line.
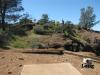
[
  {"x": 8, "y": 8},
  {"x": 25, "y": 19},
  {"x": 44, "y": 19},
  {"x": 87, "y": 19}
]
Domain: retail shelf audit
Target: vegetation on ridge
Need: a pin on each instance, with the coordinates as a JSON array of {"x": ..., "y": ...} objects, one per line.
[{"x": 20, "y": 31}]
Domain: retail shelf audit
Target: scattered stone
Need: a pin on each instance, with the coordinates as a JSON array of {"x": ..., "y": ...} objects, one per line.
[
  {"x": 2, "y": 57},
  {"x": 43, "y": 46},
  {"x": 56, "y": 45},
  {"x": 21, "y": 58},
  {"x": 11, "y": 59},
  {"x": 9, "y": 72},
  {"x": 20, "y": 65}
]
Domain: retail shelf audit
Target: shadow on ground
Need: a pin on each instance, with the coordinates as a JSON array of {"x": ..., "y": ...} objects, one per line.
[{"x": 43, "y": 52}]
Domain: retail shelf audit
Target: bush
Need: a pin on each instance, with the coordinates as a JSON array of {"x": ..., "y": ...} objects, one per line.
[
  {"x": 66, "y": 34},
  {"x": 35, "y": 45},
  {"x": 18, "y": 42},
  {"x": 3, "y": 41},
  {"x": 17, "y": 30},
  {"x": 5, "y": 38},
  {"x": 18, "y": 45},
  {"x": 42, "y": 31},
  {"x": 97, "y": 49}
]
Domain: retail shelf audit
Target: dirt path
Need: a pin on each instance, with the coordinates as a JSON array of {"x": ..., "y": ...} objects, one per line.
[{"x": 50, "y": 69}]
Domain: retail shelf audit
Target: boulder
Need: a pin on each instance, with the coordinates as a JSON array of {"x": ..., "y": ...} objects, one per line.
[
  {"x": 56, "y": 45},
  {"x": 43, "y": 46}
]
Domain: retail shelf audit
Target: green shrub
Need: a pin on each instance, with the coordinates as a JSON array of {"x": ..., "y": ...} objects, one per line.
[
  {"x": 66, "y": 33},
  {"x": 35, "y": 45},
  {"x": 5, "y": 38},
  {"x": 18, "y": 45},
  {"x": 59, "y": 29},
  {"x": 18, "y": 30},
  {"x": 42, "y": 31},
  {"x": 3, "y": 41},
  {"x": 18, "y": 42}
]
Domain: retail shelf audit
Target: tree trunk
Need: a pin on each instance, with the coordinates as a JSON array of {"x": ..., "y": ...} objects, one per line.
[
  {"x": 3, "y": 22},
  {"x": 3, "y": 17}
]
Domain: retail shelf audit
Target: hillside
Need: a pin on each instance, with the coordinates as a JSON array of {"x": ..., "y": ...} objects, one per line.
[
  {"x": 73, "y": 40},
  {"x": 80, "y": 40}
]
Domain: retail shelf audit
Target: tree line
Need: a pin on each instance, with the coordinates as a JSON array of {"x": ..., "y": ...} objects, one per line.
[{"x": 9, "y": 13}]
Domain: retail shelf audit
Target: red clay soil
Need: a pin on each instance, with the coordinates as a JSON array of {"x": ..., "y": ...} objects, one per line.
[{"x": 12, "y": 61}]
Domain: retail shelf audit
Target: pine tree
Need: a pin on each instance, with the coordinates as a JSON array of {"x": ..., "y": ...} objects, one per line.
[
  {"x": 44, "y": 19},
  {"x": 8, "y": 9}
]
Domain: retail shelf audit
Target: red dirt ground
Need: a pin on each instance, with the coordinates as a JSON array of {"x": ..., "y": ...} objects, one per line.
[{"x": 12, "y": 61}]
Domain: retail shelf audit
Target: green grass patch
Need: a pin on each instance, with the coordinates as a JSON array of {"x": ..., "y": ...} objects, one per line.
[{"x": 18, "y": 42}]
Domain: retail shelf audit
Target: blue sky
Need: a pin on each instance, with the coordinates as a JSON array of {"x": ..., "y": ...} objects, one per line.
[{"x": 61, "y": 9}]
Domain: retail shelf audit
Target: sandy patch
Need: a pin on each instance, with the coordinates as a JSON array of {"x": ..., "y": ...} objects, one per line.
[{"x": 50, "y": 69}]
